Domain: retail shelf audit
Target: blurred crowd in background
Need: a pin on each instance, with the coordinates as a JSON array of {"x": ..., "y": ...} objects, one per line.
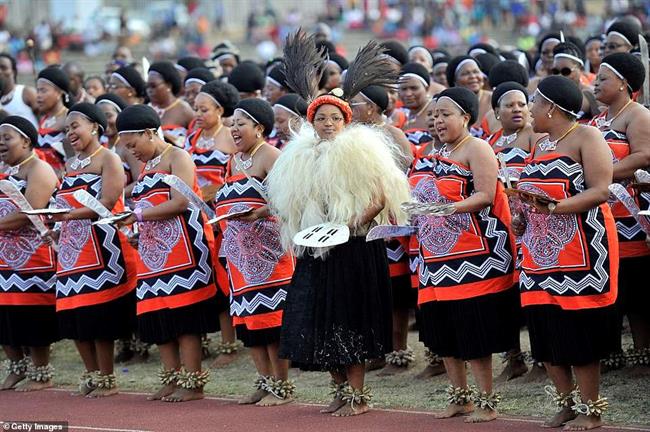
[{"x": 167, "y": 29}]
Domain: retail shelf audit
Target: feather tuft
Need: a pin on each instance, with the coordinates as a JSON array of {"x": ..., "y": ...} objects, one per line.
[
  {"x": 304, "y": 64},
  {"x": 370, "y": 67}
]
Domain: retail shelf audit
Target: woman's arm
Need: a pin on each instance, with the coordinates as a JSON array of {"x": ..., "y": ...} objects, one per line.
[
  {"x": 112, "y": 169},
  {"x": 597, "y": 165},
  {"x": 638, "y": 135},
  {"x": 484, "y": 167},
  {"x": 41, "y": 184},
  {"x": 135, "y": 167},
  {"x": 183, "y": 168}
]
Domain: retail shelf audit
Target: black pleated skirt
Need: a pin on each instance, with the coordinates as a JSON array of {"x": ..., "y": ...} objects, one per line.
[
  {"x": 404, "y": 295},
  {"x": 253, "y": 338},
  {"x": 572, "y": 337},
  {"x": 28, "y": 326},
  {"x": 633, "y": 292},
  {"x": 106, "y": 321},
  {"x": 338, "y": 310},
  {"x": 165, "y": 325},
  {"x": 471, "y": 328},
  {"x": 222, "y": 302}
]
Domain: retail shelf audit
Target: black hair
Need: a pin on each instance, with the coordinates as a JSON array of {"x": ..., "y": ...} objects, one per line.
[{"x": 12, "y": 60}]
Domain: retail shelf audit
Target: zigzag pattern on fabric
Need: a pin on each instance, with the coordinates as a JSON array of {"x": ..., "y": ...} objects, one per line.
[
  {"x": 250, "y": 306},
  {"x": 501, "y": 264},
  {"x": 113, "y": 272},
  {"x": 597, "y": 282},
  {"x": 207, "y": 157},
  {"x": 626, "y": 232},
  {"x": 396, "y": 254},
  {"x": 202, "y": 276},
  {"x": 569, "y": 170},
  {"x": 513, "y": 152},
  {"x": 241, "y": 188},
  {"x": 52, "y": 141},
  {"x": 24, "y": 284}
]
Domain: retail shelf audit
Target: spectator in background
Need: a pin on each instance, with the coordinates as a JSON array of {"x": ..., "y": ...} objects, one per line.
[
  {"x": 76, "y": 74},
  {"x": 95, "y": 86},
  {"x": 16, "y": 99}
]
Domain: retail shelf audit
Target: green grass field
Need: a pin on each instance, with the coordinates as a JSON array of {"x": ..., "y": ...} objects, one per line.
[{"x": 628, "y": 396}]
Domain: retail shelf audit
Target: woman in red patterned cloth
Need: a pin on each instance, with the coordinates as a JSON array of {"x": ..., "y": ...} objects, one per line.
[
  {"x": 210, "y": 147},
  {"x": 569, "y": 271},
  {"x": 568, "y": 60},
  {"x": 112, "y": 105},
  {"x": 96, "y": 267},
  {"x": 258, "y": 267},
  {"x": 52, "y": 88},
  {"x": 512, "y": 144},
  {"x": 465, "y": 71},
  {"x": 27, "y": 265},
  {"x": 516, "y": 136},
  {"x": 127, "y": 83},
  {"x": 175, "y": 289},
  {"x": 164, "y": 86},
  {"x": 625, "y": 125},
  {"x": 368, "y": 107},
  {"x": 466, "y": 264},
  {"x": 289, "y": 112},
  {"x": 414, "y": 83},
  {"x": 194, "y": 80}
]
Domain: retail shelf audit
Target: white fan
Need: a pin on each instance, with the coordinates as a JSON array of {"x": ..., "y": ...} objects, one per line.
[{"x": 323, "y": 235}]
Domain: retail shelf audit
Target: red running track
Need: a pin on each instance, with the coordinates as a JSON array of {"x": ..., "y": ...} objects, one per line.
[{"x": 130, "y": 412}]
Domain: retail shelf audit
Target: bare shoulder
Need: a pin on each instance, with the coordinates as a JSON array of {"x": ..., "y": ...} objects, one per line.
[
  {"x": 109, "y": 156},
  {"x": 394, "y": 131},
  {"x": 479, "y": 145},
  {"x": 42, "y": 171},
  {"x": 268, "y": 151},
  {"x": 178, "y": 153},
  {"x": 639, "y": 113},
  {"x": 590, "y": 133}
]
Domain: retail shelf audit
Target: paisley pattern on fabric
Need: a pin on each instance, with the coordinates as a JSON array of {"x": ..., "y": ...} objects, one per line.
[
  {"x": 548, "y": 234},
  {"x": 17, "y": 246},
  {"x": 438, "y": 235},
  {"x": 157, "y": 239},
  {"x": 254, "y": 247}
]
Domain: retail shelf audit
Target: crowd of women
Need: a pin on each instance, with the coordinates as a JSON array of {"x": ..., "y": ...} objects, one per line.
[{"x": 485, "y": 191}]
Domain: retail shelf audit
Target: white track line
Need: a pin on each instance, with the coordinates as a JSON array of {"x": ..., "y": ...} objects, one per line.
[{"x": 390, "y": 410}]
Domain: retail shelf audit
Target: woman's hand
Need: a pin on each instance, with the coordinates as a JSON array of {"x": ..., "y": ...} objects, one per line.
[
  {"x": 258, "y": 213},
  {"x": 51, "y": 236},
  {"x": 518, "y": 224},
  {"x": 130, "y": 220},
  {"x": 57, "y": 217},
  {"x": 133, "y": 240}
]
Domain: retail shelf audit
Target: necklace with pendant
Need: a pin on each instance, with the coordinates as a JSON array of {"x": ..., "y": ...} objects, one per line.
[
  {"x": 602, "y": 122},
  {"x": 547, "y": 145},
  {"x": 79, "y": 164},
  {"x": 51, "y": 121},
  {"x": 152, "y": 163},
  {"x": 13, "y": 170},
  {"x": 445, "y": 152},
  {"x": 415, "y": 116},
  {"x": 506, "y": 140},
  {"x": 205, "y": 143},
  {"x": 161, "y": 111},
  {"x": 248, "y": 163}
]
